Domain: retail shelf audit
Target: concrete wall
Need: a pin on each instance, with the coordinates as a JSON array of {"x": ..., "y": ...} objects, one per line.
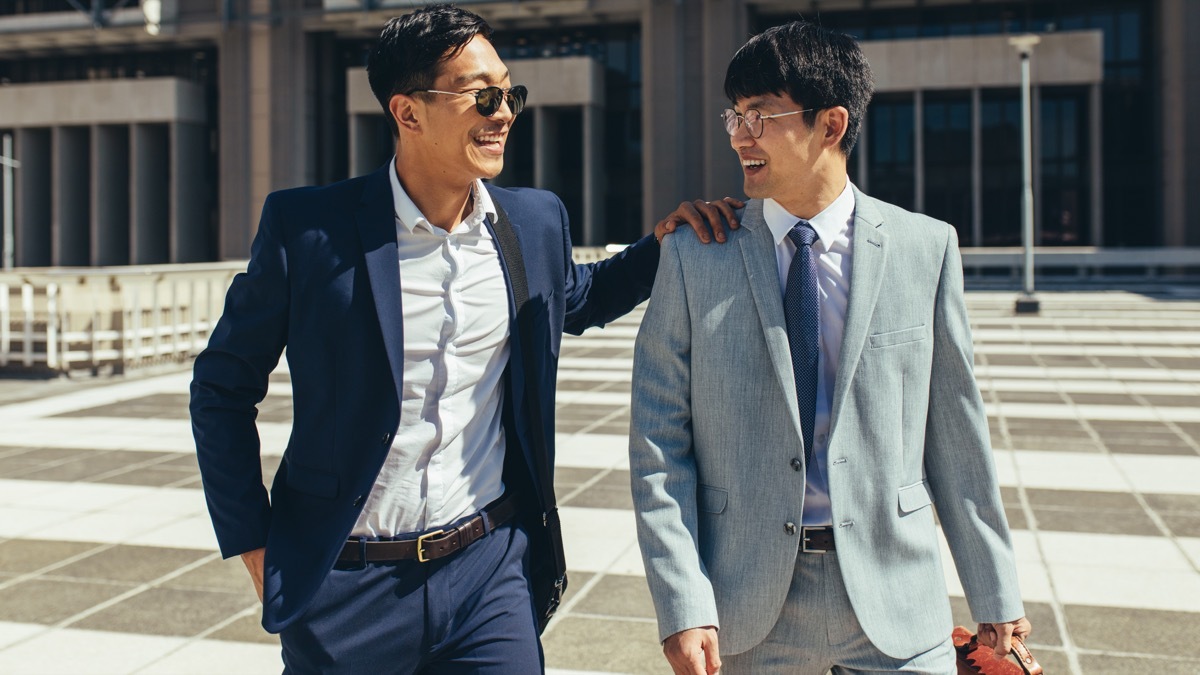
[
  {"x": 54, "y": 104},
  {"x": 1179, "y": 56},
  {"x": 113, "y": 171},
  {"x": 983, "y": 61}
]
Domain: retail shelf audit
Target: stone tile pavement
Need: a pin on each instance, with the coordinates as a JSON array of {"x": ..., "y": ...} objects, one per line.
[{"x": 108, "y": 563}]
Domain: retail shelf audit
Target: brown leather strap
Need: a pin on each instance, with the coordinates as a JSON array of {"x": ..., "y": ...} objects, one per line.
[
  {"x": 1022, "y": 654},
  {"x": 816, "y": 540},
  {"x": 434, "y": 544}
]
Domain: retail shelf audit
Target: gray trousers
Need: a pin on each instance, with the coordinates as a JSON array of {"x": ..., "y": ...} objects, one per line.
[{"x": 817, "y": 632}]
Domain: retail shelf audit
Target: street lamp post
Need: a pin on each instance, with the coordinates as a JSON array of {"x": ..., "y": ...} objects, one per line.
[
  {"x": 7, "y": 161},
  {"x": 1027, "y": 302}
]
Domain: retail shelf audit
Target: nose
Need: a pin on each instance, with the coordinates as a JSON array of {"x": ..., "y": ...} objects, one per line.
[
  {"x": 504, "y": 112},
  {"x": 741, "y": 138}
]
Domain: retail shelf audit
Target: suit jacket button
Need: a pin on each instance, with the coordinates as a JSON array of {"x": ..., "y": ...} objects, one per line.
[
  {"x": 790, "y": 528},
  {"x": 797, "y": 464},
  {"x": 358, "y": 501},
  {"x": 387, "y": 439}
]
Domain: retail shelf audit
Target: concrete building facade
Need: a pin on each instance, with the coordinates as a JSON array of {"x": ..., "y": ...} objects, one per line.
[{"x": 151, "y": 132}]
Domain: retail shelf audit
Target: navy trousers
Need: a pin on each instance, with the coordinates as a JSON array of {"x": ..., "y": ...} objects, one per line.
[{"x": 469, "y": 613}]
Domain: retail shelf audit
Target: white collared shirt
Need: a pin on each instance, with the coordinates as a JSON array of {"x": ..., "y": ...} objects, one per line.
[
  {"x": 835, "y": 227},
  {"x": 447, "y": 459}
]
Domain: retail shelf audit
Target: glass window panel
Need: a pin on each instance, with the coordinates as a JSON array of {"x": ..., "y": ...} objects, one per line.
[{"x": 1129, "y": 47}]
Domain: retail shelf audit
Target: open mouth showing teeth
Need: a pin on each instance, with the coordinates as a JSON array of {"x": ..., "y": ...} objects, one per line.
[
  {"x": 753, "y": 163},
  {"x": 489, "y": 140}
]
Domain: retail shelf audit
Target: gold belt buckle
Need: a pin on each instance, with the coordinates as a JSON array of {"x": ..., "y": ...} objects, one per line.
[{"x": 421, "y": 544}]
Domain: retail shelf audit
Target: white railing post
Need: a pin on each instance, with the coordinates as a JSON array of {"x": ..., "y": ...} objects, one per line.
[
  {"x": 5, "y": 335},
  {"x": 27, "y": 307},
  {"x": 174, "y": 318},
  {"x": 51, "y": 327},
  {"x": 135, "y": 328},
  {"x": 156, "y": 319}
]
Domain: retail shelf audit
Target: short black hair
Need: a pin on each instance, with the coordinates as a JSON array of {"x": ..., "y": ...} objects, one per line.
[
  {"x": 412, "y": 47},
  {"x": 818, "y": 68}
]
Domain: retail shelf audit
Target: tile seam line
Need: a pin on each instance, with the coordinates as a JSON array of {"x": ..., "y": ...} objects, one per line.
[
  {"x": 1056, "y": 605},
  {"x": 137, "y": 590},
  {"x": 202, "y": 635}
]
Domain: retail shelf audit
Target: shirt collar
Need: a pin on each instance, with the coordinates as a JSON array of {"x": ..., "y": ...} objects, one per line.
[
  {"x": 410, "y": 216},
  {"x": 830, "y": 223}
]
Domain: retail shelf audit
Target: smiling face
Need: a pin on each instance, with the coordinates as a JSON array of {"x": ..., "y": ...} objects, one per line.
[
  {"x": 444, "y": 135},
  {"x": 785, "y": 157}
]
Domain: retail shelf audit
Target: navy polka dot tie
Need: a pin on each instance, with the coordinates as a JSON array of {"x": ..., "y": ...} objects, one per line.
[{"x": 802, "y": 310}]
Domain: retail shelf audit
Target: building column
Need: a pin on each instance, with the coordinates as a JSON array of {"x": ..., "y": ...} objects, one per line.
[
  {"x": 919, "y": 151},
  {"x": 71, "y": 196},
  {"x": 1096, "y": 158},
  {"x": 33, "y": 192},
  {"x": 545, "y": 148},
  {"x": 686, "y": 47},
  {"x": 594, "y": 188},
  {"x": 976, "y": 167},
  {"x": 265, "y": 113},
  {"x": 188, "y": 239},
  {"x": 1180, "y": 142},
  {"x": 725, "y": 30},
  {"x": 864, "y": 157},
  {"x": 110, "y": 194}
]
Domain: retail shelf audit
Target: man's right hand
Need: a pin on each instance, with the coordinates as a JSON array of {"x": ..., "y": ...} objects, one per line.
[
  {"x": 693, "y": 651},
  {"x": 254, "y": 565}
]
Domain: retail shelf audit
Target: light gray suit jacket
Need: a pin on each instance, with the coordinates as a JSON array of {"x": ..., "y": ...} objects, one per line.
[{"x": 715, "y": 428}]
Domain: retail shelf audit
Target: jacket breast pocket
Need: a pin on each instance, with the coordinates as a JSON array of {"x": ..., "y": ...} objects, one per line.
[
  {"x": 915, "y": 497},
  {"x": 898, "y": 337},
  {"x": 710, "y": 499}
]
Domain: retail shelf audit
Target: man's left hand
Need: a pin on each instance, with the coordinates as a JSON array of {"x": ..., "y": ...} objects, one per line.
[
  {"x": 708, "y": 219},
  {"x": 999, "y": 636}
]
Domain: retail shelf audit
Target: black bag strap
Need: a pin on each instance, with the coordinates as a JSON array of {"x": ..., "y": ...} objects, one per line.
[{"x": 506, "y": 238}]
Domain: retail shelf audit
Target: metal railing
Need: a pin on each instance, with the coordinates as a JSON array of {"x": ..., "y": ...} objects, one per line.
[
  {"x": 71, "y": 319},
  {"x": 66, "y": 319}
]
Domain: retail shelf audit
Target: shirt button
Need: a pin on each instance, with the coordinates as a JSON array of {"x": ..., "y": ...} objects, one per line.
[
  {"x": 790, "y": 528},
  {"x": 797, "y": 464}
]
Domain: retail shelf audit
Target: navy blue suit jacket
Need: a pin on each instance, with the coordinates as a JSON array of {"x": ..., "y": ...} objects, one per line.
[{"x": 324, "y": 282}]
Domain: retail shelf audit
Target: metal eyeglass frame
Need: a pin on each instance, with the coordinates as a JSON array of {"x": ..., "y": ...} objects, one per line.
[{"x": 741, "y": 119}]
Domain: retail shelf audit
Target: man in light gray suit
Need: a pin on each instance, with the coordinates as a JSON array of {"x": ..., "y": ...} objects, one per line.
[{"x": 802, "y": 398}]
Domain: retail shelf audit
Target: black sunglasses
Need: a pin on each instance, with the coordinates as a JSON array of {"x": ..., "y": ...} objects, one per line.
[{"x": 487, "y": 100}]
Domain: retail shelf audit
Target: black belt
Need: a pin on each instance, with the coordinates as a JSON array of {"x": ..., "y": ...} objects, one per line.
[
  {"x": 817, "y": 539},
  {"x": 434, "y": 544}
]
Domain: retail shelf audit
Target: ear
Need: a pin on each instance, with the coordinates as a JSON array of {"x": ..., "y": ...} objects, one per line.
[
  {"x": 836, "y": 121},
  {"x": 403, "y": 109}
]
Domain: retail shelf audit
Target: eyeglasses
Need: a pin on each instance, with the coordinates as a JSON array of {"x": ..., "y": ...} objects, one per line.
[
  {"x": 487, "y": 100},
  {"x": 753, "y": 119}
]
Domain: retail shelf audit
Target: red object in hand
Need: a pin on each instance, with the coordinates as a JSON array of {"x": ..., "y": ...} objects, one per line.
[{"x": 975, "y": 658}]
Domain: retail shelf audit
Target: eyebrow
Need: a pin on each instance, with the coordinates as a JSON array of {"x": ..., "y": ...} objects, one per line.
[
  {"x": 463, "y": 80},
  {"x": 753, "y": 103}
]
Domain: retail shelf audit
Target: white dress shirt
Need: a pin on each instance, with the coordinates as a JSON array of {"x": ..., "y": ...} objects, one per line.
[
  {"x": 835, "y": 227},
  {"x": 447, "y": 459}
]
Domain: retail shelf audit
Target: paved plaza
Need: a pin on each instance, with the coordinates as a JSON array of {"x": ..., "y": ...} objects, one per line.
[{"x": 108, "y": 563}]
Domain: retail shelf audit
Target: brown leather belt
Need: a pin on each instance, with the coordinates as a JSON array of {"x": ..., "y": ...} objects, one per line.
[
  {"x": 816, "y": 539},
  {"x": 434, "y": 544}
]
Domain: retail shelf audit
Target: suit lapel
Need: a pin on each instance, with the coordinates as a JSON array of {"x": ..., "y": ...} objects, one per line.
[
  {"x": 762, "y": 272},
  {"x": 376, "y": 220},
  {"x": 866, "y": 276}
]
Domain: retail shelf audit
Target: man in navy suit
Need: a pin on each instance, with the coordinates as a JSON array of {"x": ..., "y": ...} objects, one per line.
[{"x": 411, "y": 524}]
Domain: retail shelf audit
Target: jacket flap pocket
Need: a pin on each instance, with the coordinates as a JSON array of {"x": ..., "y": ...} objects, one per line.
[
  {"x": 915, "y": 496},
  {"x": 710, "y": 499},
  {"x": 898, "y": 337},
  {"x": 312, "y": 481}
]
